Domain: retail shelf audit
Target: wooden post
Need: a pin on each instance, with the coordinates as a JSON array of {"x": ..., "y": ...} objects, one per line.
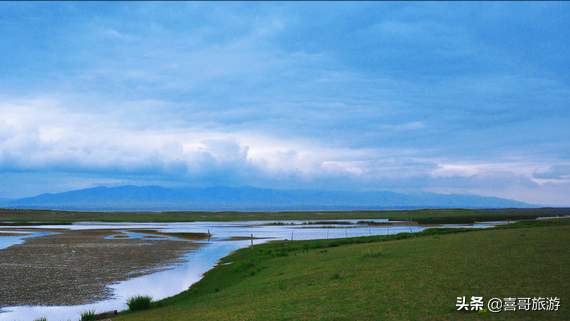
[
  {"x": 252, "y": 241},
  {"x": 105, "y": 315},
  {"x": 291, "y": 235}
]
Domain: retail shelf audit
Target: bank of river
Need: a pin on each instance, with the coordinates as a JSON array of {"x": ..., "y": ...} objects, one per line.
[{"x": 58, "y": 272}]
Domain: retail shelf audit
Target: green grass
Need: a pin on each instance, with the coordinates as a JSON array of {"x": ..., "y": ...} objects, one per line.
[
  {"x": 425, "y": 216},
  {"x": 398, "y": 277},
  {"x": 88, "y": 315},
  {"x": 139, "y": 303},
  {"x": 373, "y": 253}
]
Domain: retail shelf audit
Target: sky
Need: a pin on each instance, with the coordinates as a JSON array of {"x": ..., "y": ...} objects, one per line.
[{"x": 445, "y": 97}]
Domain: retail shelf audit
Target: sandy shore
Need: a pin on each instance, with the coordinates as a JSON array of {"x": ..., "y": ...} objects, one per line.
[{"x": 74, "y": 267}]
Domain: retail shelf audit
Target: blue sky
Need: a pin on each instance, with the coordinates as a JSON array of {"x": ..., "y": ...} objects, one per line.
[{"x": 446, "y": 97}]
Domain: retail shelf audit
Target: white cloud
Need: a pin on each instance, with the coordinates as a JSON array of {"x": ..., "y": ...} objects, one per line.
[
  {"x": 451, "y": 170},
  {"x": 512, "y": 180},
  {"x": 43, "y": 135}
]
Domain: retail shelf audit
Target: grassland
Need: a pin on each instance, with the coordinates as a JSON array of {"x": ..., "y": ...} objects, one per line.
[
  {"x": 424, "y": 216},
  {"x": 399, "y": 277}
]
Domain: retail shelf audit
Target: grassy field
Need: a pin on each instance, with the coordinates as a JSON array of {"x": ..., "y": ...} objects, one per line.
[
  {"x": 425, "y": 216},
  {"x": 399, "y": 277}
]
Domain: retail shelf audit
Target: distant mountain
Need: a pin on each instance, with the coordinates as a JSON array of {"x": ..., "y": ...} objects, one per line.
[{"x": 156, "y": 198}]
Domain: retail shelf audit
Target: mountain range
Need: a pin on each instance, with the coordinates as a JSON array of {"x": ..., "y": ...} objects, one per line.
[{"x": 156, "y": 198}]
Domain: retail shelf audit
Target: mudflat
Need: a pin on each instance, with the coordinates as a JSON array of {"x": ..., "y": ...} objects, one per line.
[{"x": 75, "y": 267}]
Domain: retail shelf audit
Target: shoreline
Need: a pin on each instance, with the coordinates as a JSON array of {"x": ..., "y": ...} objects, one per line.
[
  {"x": 45, "y": 270},
  {"x": 294, "y": 273},
  {"x": 213, "y": 266}
]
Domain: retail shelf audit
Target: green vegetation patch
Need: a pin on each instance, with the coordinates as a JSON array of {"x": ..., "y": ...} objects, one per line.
[
  {"x": 88, "y": 315},
  {"x": 139, "y": 303}
]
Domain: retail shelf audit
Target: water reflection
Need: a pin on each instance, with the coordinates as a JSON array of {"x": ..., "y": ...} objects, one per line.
[{"x": 182, "y": 275}]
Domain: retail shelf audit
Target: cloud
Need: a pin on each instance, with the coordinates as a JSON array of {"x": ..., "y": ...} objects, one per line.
[
  {"x": 46, "y": 136},
  {"x": 406, "y": 96},
  {"x": 554, "y": 172},
  {"x": 523, "y": 181}
]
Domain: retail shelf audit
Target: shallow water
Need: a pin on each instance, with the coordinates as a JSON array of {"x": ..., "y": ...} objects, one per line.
[
  {"x": 7, "y": 241},
  {"x": 182, "y": 275}
]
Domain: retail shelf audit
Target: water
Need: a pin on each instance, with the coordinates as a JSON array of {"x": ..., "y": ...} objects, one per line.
[
  {"x": 7, "y": 241},
  {"x": 181, "y": 276}
]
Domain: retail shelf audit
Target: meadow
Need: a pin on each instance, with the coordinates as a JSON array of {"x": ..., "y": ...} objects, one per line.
[{"x": 397, "y": 277}]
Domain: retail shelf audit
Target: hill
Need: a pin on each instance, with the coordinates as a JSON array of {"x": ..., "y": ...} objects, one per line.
[{"x": 156, "y": 198}]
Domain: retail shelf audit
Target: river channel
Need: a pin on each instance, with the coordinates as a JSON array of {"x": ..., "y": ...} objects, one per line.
[{"x": 58, "y": 272}]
